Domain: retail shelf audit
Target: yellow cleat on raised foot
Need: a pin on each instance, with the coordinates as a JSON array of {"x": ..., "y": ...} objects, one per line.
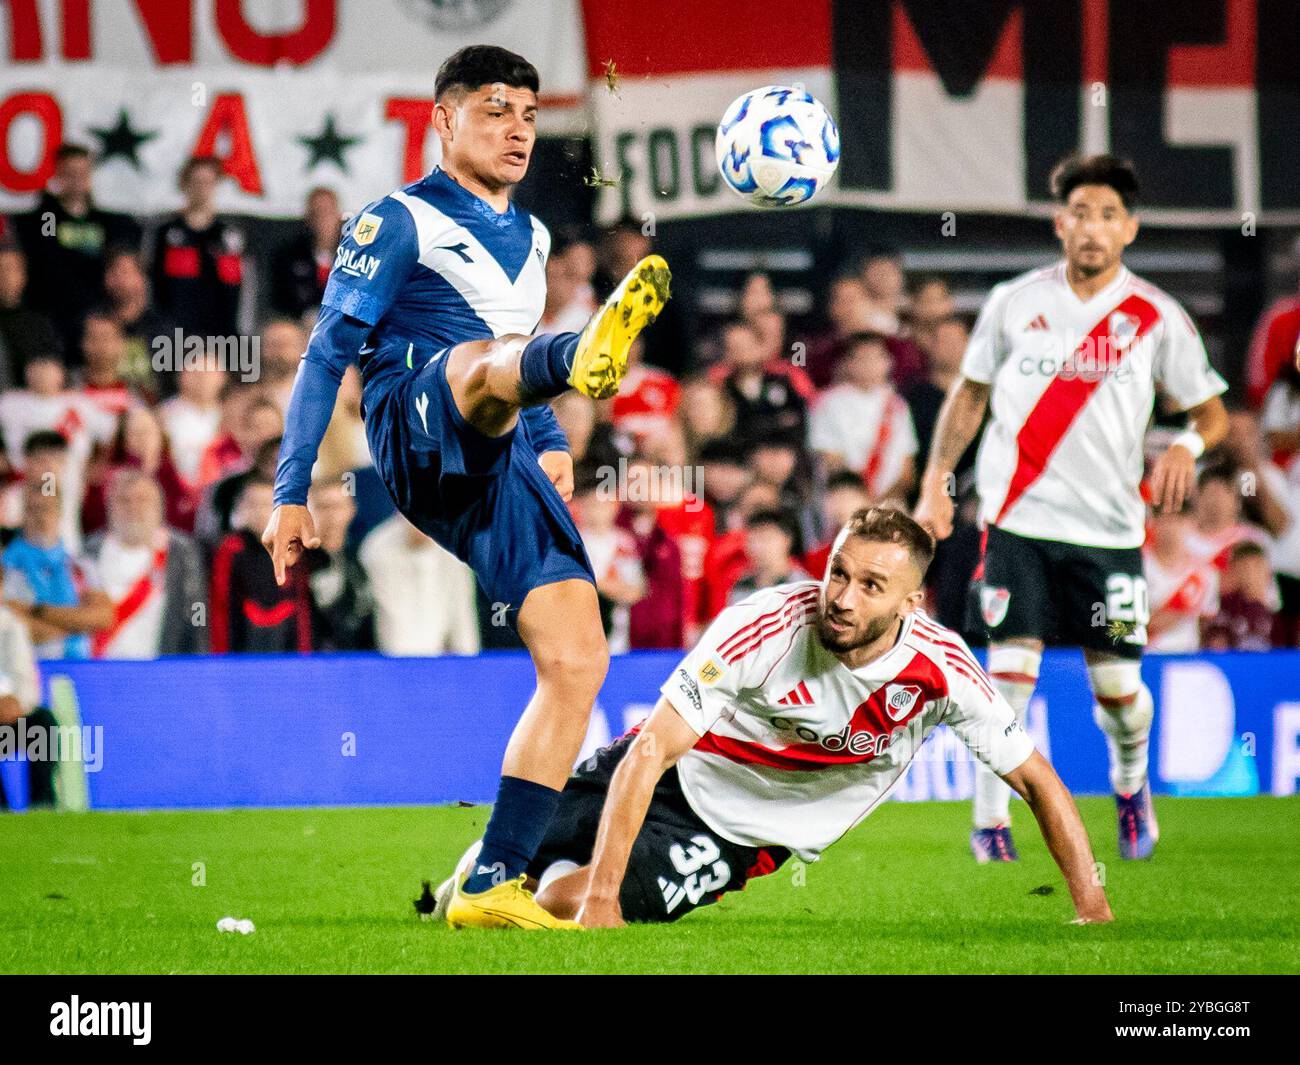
[
  {"x": 600, "y": 360},
  {"x": 507, "y": 905}
]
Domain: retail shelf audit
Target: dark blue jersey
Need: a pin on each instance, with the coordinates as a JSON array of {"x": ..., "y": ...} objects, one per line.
[{"x": 428, "y": 266}]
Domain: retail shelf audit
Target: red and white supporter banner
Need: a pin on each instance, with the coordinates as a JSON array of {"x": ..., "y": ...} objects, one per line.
[
  {"x": 962, "y": 107},
  {"x": 289, "y": 93}
]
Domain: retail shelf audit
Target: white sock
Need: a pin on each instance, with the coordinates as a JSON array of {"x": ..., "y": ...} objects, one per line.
[
  {"x": 1128, "y": 733},
  {"x": 1014, "y": 672}
]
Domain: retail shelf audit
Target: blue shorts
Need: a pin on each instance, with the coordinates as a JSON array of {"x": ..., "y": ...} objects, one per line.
[{"x": 485, "y": 499}]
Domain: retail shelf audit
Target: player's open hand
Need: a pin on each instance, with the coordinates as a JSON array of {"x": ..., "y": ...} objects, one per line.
[
  {"x": 289, "y": 532},
  {"x": 601, "y": 913},
  {"x": 935, "y": 510},
  {"x": 559, "y": 468},
  {"x": 1172, "y": 478}
]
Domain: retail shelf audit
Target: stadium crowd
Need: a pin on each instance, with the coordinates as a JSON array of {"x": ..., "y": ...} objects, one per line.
[{"x": 141, "y": 420}]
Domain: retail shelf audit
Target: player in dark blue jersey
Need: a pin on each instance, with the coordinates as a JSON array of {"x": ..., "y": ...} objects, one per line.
[{"x": 433, "y": 292}]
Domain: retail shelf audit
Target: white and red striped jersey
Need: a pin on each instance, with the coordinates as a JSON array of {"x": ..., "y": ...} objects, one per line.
[
  {"x": 1188, "y": 592},
  {"x": 796, "y": 748},
  {"x": 1073, "y": 386}
]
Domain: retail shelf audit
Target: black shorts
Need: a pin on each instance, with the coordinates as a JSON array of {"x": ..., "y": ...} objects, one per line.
[
  {"x": 1063, "y": 594},
  {"x": 677, "y": 863}
]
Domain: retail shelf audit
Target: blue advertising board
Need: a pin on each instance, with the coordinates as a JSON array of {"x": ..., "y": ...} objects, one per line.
[{"x": 364, "y": 729}]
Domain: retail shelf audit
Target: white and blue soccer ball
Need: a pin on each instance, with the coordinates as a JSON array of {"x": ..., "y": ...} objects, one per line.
[{"x": 777, "y": 146}]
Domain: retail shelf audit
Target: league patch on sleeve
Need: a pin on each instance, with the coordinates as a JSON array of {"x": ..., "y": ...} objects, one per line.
[
  {"x": 367, "y": 228},
  {"x": 710, "y": 672}
]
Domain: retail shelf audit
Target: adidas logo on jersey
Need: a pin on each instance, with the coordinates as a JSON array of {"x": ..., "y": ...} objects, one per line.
[
  {"x": 798, "y": 696},
  {"x": 1038, "y": 322}
]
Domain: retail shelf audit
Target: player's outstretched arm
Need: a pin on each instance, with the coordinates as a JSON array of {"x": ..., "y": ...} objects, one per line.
[
  {"x": 959, "y": 421},
  {"x": 1058, "y": 819},
  {"x": 663, "y": 739},
  {"x": 334, "y": 343}
]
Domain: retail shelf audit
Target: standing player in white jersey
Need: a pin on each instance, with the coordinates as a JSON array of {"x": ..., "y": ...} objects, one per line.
[
  {"x": 793, "y": 718},
  {"x": 1070, "y": 358}
]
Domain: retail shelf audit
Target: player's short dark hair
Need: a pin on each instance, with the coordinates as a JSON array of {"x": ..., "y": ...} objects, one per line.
[
  {"x": 1076, "y": 170},
  {"x": 44, "y": 440},
  {"x": 484, "y": 64},
  {"x": 777, "y": 519},
  {"x": 1246, "y": 549},
  {"x": 889, "y": 525},
  {"x": 196, "y": 162},
  {"x": 69, "y": 150},
  {"x": 1220, "y": 471},
  {"x": 845, "y": 479}
]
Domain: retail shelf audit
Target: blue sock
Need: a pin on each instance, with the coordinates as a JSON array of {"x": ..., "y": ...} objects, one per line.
[
  {"x": 545, "y": 364},
  {"x": 519, "y": 820}
]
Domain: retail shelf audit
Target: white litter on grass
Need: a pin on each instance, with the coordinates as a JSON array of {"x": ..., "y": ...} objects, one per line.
[{"x": 229, "y": 924}]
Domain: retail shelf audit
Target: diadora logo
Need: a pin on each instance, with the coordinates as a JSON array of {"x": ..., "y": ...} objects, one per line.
[
  {"x": 458, "y": 249},
  {"x": 422, "y": 409},
  {"x": 356, "y": 263},
  {"x": 900, "y": 699}
]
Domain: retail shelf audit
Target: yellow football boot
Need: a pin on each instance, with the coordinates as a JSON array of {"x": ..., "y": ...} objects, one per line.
[
  {"x": 600, "y": 360},
  {"x": 507, "y": 905}
]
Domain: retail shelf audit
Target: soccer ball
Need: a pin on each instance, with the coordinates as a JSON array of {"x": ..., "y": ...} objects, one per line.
[{"x": 777, "y": 146}]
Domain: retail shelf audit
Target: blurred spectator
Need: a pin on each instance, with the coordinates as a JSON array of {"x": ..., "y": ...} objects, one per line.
[
  {"x": 45, "y": 461},
  {"x": 126, "y": 287},
  {"x": 1244, "y": 620},
  {"x": 103, "y": 356},
  {"x": 724, "y": 475},
  {"x": 283, "y": 342},
  {"x": 619, "y": 249},
  {"x": 22, "y": 329},
  {"x": 216, "y": 510},
  {"x": 424, "y": 595},
  {"x": 756, "y": 296},
  {"x": 300, "y": 267},
  {"x": 863, "y": 425},
  {"x": 882, "y": 277},
  {"x": 767, "y": 405},
  {"x": 647, "y": 399},
  {"x": 20, "y": 692},
  {"x": 1260, "y": 482},
  {"x": 155, "y": 576},
  {"x": 47, "y": 404},
  {"x": 845, "y": 495},
  {"x": 343, "y": 611},
  {"x": 46, "y": 586},
  {"x": 67, "y": 238},
  {"x": 769, "y": 553},
  {"x": 785, "y": 468},
  {"x": 1216, "y": 516},
  {"x": 139, "y": 445},
  {"x": 1280, "y": 419},
  {"x": 705, "y": 413},
  {"x": 1285, "y": 557},
  {"x": 947, "y": 345},
  {"x": 249, "y": 419},
  {"x": 192, "y": 418},
  {"x": 570, "y": 299},
  {"x": 1183, "y": 587},
  {"x": 770, "y": 327},
  {"x": 345, "y": 447},
  {"x": 931, "y": 303},
  {"x": 198, "y": 265},
  {"x": 592, "y": 442},
  {"x": 848, "y": 313},
  {"x": 726, "y": 559},
  {"x": 1273, "y": 344},
  {"x": 250, "y": 612},
  {"x": 657, "y": 620},
  {"x": 620, "y": 580}
]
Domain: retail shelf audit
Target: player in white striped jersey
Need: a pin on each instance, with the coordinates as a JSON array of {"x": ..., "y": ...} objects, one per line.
[
  {"x": 794, "y": 718},
  {"x": 1069, "y": 359}
]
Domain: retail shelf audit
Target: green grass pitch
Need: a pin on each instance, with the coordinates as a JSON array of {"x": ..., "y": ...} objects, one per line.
[{"x": 330, "y": 891}]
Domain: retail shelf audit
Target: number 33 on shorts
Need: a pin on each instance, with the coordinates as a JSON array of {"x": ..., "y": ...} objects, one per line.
[{"x": 690, "y": 862}]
